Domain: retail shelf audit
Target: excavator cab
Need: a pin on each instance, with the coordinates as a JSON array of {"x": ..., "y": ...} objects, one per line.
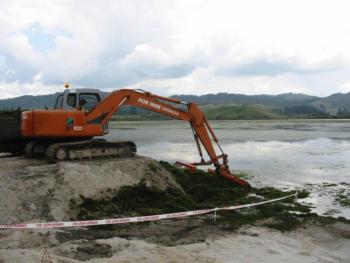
[{"x": 84, "y": 99}]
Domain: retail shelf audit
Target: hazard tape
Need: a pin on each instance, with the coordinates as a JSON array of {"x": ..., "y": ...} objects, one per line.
[{"x": 137, "y": 219}]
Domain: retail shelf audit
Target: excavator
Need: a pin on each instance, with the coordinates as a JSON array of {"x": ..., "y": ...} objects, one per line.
[{"x": 69, "y": 131}]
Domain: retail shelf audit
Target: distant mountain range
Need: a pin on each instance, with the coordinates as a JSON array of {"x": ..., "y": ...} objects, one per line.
[
  {"x": 332, "y": 104},
  {"x": 288, "y": 104},
  {"x": 287, "y": 99},
  {"x": 29, "y": 102}
]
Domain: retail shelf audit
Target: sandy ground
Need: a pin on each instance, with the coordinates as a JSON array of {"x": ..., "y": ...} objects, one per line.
[
  {"x": 34, "y": 190},
  {"x": 251, "y": 244},
  {"x": 310, "y": 244}
]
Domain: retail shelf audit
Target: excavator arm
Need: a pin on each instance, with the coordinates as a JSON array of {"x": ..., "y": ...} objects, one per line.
[{"x": 190, "y": 112}]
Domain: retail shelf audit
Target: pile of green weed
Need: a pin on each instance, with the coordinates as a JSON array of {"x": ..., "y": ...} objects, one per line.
[
  {"x": 208, "y": 190},
  {"x": 135, "y": 200},
  {"x": 201, "y": 190}
]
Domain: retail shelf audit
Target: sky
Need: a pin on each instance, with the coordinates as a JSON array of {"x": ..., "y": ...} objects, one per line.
[{"x": 175, "y": 47}]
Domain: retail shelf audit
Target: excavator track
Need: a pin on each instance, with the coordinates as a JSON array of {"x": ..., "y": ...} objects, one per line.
[{"x": 90, "y": 149}]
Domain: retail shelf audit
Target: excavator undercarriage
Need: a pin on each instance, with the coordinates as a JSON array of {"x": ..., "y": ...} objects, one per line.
[{"x": 80, "y": 150}]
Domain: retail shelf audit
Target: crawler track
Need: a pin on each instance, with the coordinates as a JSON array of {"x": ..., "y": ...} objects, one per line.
[{"x": 91, "y": 149}]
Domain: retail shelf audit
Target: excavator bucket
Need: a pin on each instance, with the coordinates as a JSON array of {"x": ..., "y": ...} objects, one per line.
[
  {"x": 185, "y": 166},
  {"x": 222, "y": 172},
  {"x": 234, "y": 178}
]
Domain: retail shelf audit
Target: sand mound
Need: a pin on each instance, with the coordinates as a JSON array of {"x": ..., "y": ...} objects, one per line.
[{"x": 32, "y": 190}]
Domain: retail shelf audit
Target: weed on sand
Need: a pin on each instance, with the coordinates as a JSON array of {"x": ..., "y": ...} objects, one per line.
[{"x": 202, "y": 190}]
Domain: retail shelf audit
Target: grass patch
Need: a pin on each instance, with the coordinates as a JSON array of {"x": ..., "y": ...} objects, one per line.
[{"x": 240, "y": 112}]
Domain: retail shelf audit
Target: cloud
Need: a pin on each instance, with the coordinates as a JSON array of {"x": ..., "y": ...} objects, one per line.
[
  {"x": 41, "y": 40},
  {"x": 202, "y": 81},
  {"x": 276, "y": 65},
  {"x": 186, "y": 46},
  {"x": 344, "y": 88},
  {"x": 33, "y": 87}
]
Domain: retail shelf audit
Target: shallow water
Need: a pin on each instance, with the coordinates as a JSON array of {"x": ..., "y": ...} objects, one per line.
[{"x": 294, "y": 154}]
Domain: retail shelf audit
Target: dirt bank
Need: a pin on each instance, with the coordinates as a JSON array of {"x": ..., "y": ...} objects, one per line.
[{"x": 35, "y": 190}]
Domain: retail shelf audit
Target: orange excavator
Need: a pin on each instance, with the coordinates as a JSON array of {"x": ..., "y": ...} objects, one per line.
[{"x": 67, "y": 132}]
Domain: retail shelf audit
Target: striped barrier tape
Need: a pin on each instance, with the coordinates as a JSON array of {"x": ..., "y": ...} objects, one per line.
[{"x": 136, "y": 219}]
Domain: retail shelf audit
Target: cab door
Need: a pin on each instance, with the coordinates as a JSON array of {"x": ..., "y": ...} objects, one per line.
[
  {"x": 82, "y": 99},
  {"x": 88, "y": 101}
]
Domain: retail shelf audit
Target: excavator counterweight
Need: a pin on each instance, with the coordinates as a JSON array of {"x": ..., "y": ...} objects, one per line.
[{"x": 67, "y": 132}]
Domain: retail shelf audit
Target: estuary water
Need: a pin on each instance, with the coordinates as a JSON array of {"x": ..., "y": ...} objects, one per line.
[{"x": 311, "y": 154}]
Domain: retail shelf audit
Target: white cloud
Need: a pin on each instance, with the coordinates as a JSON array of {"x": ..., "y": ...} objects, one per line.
[
  {"x": 32, "y": 87},
  {"x": 344, "y": 88},
  {"x": 187, "y": 46},
  {"x": 202, "y": 81}
]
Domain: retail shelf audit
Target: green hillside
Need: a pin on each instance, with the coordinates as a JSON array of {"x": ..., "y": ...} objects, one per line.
[
  {"x": 224, "y": 106},
  {"x": 241, "y": 112}
]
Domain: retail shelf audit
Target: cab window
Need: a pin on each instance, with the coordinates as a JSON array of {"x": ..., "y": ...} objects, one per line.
[
  {"x": 59, "y": 102},
  {"x": 88, "y": 100},
  {"x": 72, "y": 100}
]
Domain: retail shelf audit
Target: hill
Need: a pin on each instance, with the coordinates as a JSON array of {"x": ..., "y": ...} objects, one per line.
[
  {"x": 225, "y": 106},
  {"x": 240, "y": 112},
  {"x": 288, "y": 99},
  {"x": 288, "y": 104},
  {"x": 29, "y": 102}
]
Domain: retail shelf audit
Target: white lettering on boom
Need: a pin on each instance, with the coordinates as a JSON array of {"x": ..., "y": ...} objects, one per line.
[{"x": 157, "y": 106}]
